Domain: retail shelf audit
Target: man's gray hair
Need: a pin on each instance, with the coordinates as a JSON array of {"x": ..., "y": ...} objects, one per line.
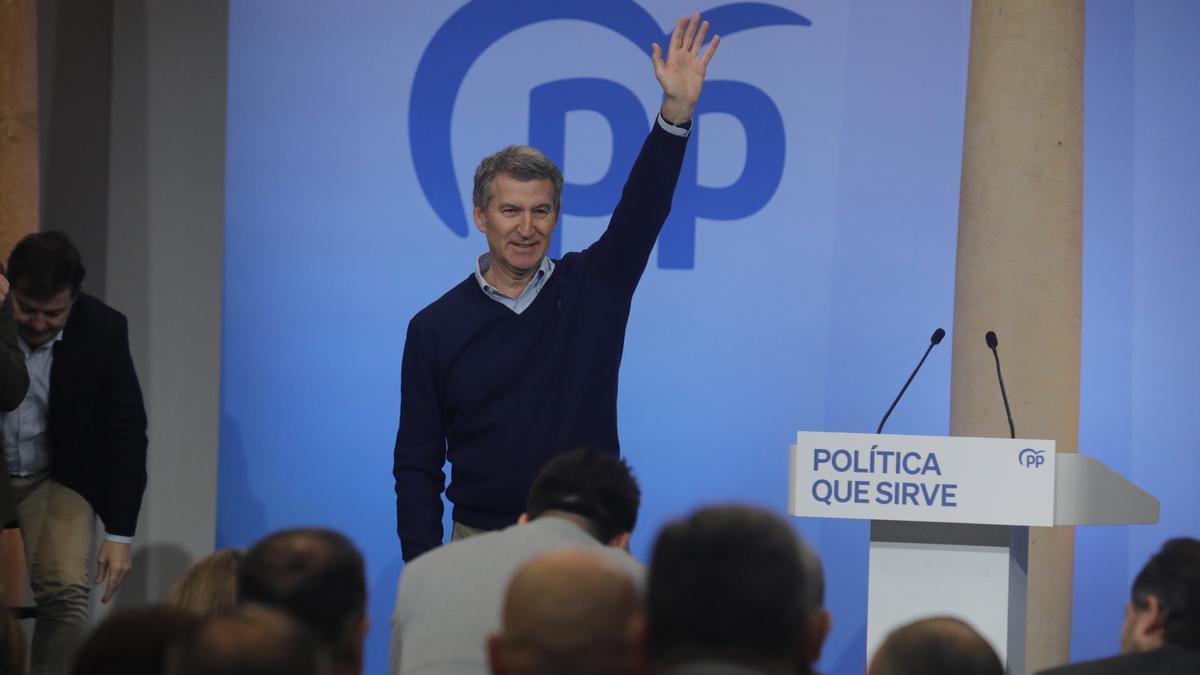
[{"x": 523, "y": 163}]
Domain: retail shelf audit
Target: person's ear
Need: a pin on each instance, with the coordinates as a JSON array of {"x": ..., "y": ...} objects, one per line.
[
  {"x": 1154, "y": 622},
  {"x": 816, "y": 630},
  {"x": 1144, "y": 626},
  {"x": 620, "y": 541},
  {"x": 480, "y": 219},
  {"x": 523, "y": 518},
  {"x": 495, "y": 652},
  {"x": 358, "y": 639}
]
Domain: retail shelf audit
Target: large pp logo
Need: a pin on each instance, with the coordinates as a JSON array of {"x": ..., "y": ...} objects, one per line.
[{"x": 481, "y": 23}]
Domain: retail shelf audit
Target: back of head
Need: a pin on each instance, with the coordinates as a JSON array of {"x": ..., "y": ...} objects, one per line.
[
  {"x": 1173, "y": 577},
  {"x": 43, "y": 264},
  {"x": 569, "y": 611},
  {"x": 727, "y": 583},
  {"x": 597, "y": 486},
  {"x": 314, "y": 575},
  {"x": 133, "y": 641},
  {"x": 209, "y": 587},
  {"x": 935, "y": 646},
  {"x": 254, "y": 640}
]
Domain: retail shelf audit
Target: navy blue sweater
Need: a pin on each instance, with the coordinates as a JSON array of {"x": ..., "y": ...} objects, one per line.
[{"x": 501, "y": 393}]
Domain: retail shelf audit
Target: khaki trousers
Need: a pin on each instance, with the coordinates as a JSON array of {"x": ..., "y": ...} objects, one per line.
[
  {"x": 461, "y": 531},
  {"x": 59, "y": 530}
]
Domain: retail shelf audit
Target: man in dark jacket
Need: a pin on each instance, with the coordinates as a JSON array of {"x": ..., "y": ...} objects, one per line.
[
  {"x": 76, "y": 445},
  {"x": 1161, "y": 633}
]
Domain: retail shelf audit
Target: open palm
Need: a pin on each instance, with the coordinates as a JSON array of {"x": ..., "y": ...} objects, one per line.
[{"x": 681, "y": 74}]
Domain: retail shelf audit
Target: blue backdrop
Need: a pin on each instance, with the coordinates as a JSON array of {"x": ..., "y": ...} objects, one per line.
[{"x": 809, "y": 256}]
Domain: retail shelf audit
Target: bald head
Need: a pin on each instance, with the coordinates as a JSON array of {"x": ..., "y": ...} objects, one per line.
[
  {"x": 934, "y": 646},
  {"x": 567, "y": 611}
]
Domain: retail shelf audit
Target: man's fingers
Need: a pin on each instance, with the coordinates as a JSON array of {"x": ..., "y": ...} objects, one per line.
[
  {"x": 699, "y": 41},
  {"x": 656, "y": 56},
  {"x": 114, "y": 582},
  {"x": 677, "y": 34},
  {"x": 712, "y": 49},
  {"x": 101, "y": 570},
  {"x": 690, "y": 36}
]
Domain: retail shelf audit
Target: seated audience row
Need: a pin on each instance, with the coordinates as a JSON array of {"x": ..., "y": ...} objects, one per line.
[{"x": 729, "y": 589}]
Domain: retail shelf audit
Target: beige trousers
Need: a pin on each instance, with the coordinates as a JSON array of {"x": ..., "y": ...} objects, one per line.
[{"x": 59, "y": 530}]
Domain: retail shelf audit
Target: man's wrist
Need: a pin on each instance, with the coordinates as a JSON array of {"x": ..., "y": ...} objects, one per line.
[
  {"x": 118, "y": 538},
  {"x": 676, "y": 113}
]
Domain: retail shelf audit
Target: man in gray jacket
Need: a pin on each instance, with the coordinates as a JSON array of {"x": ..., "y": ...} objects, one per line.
[{"x": 450, "y": 598}]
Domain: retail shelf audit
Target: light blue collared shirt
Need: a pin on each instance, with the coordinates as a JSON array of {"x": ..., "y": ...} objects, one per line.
[
  {"x": 520, "y": 303},
  {"x": 26, "y": 445}
]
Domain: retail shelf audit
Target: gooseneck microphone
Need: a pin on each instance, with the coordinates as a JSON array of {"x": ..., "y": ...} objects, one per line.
[
  {"x": 991, "y": 343},
  {"x": 933, "y": 340}
]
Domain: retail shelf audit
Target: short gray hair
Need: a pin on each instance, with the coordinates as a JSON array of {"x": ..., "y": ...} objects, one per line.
[{"x": 523, "y": 163}]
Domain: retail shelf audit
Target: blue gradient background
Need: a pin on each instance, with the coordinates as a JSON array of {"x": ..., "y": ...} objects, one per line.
[{"x": 805, "y": 315}]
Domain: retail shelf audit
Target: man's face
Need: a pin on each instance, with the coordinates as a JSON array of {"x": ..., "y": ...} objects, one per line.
[
  {"x": 38, "y": 321},
  {"x": 518, "y": 223}
]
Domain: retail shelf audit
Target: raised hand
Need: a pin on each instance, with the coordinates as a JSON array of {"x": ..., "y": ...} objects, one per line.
[{"x": 681, "y": 75}]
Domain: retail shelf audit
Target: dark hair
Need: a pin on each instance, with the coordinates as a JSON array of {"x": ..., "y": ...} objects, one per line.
[
  {"x": 44, "y": 264},
  {"x": 596, "y": 485},
  {"x": 315, "y": 575},
  {"x": 255, "y": 640},
  {"x": 727, "y": 581},
  {"x": 523, "y": 163},
  {"x": 134, "y": 641},
  {"x": 1173, "y": 576},
  {"x": 935, "y": 646}
]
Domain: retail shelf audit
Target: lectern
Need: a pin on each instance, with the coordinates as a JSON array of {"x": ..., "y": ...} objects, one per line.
[{"x": 950, "y": 517}]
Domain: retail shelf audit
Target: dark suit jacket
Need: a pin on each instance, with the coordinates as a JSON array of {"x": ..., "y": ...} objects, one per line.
[
  {"x": 1168, "y": 660},
  {"x": 97, "y": 420}
]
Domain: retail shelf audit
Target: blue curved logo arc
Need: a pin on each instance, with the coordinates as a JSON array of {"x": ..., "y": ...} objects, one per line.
[{"x": 481, "y": 23}]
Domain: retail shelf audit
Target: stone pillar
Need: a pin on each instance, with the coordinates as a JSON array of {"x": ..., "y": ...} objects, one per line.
[
  {"x": 19, "y": 196},
  {"x": 1019, "y": 263},
  {"x": 18, "y": 122}
]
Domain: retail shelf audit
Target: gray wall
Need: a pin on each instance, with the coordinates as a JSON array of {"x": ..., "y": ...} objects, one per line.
[{"x": 134, "y": 172}]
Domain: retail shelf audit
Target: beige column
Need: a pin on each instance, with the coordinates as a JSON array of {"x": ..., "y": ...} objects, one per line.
[
  {"x": 1019, "y": 261},
  {"x": 18, "y": 122},
  {"x": 19, "y": 213}
]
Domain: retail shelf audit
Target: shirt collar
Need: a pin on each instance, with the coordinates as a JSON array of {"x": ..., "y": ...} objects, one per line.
[
  {"x": 49, "y": 343},
  {"x": 484, "y": 262}
]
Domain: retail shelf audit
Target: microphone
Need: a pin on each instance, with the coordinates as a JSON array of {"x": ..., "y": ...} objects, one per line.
[
  {"x": 933, "y": 340},
  {"x": 991, "y": 343}
]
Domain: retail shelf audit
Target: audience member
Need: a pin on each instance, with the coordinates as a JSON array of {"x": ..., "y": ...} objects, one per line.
[
  {"x": 12, "y": 644},
  {"x": 14, "y": 384},
  {"x": 728, "y": 593},
  {"x": 76, "y": 445},
  {"x": 449, "y": 599},
  {"x": 133, "y": 641},
  {"x": 255, "y": 640},
  {"x": 1161, "y": 632},
  {"x": 935, "y": 646},
  {"x": 568, "y": 611},
  {"x": 317, "y": 577},
  {"x": 209, "y": 587},
  {"x": 818, "y": 620}
]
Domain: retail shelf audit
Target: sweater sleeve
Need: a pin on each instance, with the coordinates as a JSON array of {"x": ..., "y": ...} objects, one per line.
[
  {"x": 620, "y": 255},
  {"x": 420, "y": 451}
]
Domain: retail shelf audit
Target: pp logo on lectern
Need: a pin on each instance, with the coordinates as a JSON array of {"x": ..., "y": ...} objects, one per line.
[
  {"x": 1031, "y": 459},
  {"x": 481, "y": 23}
]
